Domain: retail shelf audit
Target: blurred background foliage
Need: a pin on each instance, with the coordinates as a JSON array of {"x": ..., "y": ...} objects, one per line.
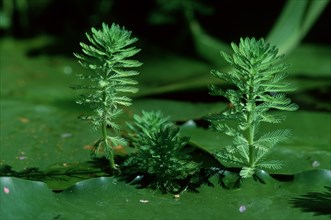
[{"x": 185, "y": 36}]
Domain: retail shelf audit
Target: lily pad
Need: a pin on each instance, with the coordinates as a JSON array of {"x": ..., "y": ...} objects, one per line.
[
  {"x": 178, "y": 110},
  {"x": 104, "y": 197},
  {"x": 38, "y": 135}
]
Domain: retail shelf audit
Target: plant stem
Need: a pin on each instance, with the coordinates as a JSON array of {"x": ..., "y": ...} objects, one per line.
[
  {"x": 251, "y": 130},
  {"x": 250, "y": 119},
  {"x": 108, "y": 147}
]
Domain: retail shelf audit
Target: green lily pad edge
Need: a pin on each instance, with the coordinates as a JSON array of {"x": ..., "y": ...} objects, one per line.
[{"x": 110, "y": 198}]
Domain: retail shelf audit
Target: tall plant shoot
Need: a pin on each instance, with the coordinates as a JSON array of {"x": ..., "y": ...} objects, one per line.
[
  {"x": 257, "y": 73},
  {"x": 107, "y": 82}
]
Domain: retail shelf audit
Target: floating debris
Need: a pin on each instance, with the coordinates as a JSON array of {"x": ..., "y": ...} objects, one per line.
[
  {"x": 22, "y": 157},
  {"x": 24, "y": 120},
  {"x": 66, "y": 135},
  {"x": 120, "y": 150},
  {"x": 316, "y": 164},
  {"x": 143, "y": 201},
  {"x": 242, "y": 208},
  {"x": 88, "y": 147}
]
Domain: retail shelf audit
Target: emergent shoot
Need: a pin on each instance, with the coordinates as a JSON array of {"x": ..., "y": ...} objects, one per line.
[
  {"x": 256, "y": 76},
  {"x": 108, "y": 79}
]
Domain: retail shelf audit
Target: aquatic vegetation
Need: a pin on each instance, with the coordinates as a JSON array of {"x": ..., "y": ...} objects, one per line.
[
  {"x": 159, "y": 153},
  {"x": 44, "y": 149},
  {"x": 257, "y": 74},
  {"x": 107, "y": 82}
]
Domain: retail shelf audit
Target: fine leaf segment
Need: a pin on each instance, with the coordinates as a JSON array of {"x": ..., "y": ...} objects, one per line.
[
  {"x": 256, "y": 75},
  {"x": 107, "y": 82}
]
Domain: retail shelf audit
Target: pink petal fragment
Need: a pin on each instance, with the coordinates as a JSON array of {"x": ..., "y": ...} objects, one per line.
[{"x": 6, "y": 190}]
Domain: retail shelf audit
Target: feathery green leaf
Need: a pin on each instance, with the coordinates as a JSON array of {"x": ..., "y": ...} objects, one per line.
[
  {"x": 257, "y": 75},
  {"x": 107, "y": 56}
]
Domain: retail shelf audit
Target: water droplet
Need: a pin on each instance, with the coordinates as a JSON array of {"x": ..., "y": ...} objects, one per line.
[
  {"x": 316, "y": 164},
  {"x": 101, "y": 203},
  {"x": 189, "y": 123},
  {"x": 242, "y": 208},
  {"x": 6, "y": 190},
  {"x": 22, "y": 158},
  {"x": 143, "y": 201},
  {"x": 66, "y": 135},
  {"x": 137, "y": 179},
  {"x": 176, "y": 196},
  {"x": 67, "y": 70}
]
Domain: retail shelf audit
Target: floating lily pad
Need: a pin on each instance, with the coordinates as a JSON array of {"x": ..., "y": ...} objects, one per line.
[
  {"x": 38, "y": 135},
  {"x": 103, "y": 197},
  {"x": 178, "y": 110}
]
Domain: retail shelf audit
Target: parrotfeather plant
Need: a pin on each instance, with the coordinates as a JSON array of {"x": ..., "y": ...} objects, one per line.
[
  {"x": 159, "y": 153},
  {"x": 257, "y": 74},
  {"x": 107, "y": 82}
]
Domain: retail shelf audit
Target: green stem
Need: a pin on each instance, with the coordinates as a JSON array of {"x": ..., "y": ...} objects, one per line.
[
  {"x": 250, "y": 120},
  {"x": 108, "y": 147},
  {"x": 251, "y": 131}
]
